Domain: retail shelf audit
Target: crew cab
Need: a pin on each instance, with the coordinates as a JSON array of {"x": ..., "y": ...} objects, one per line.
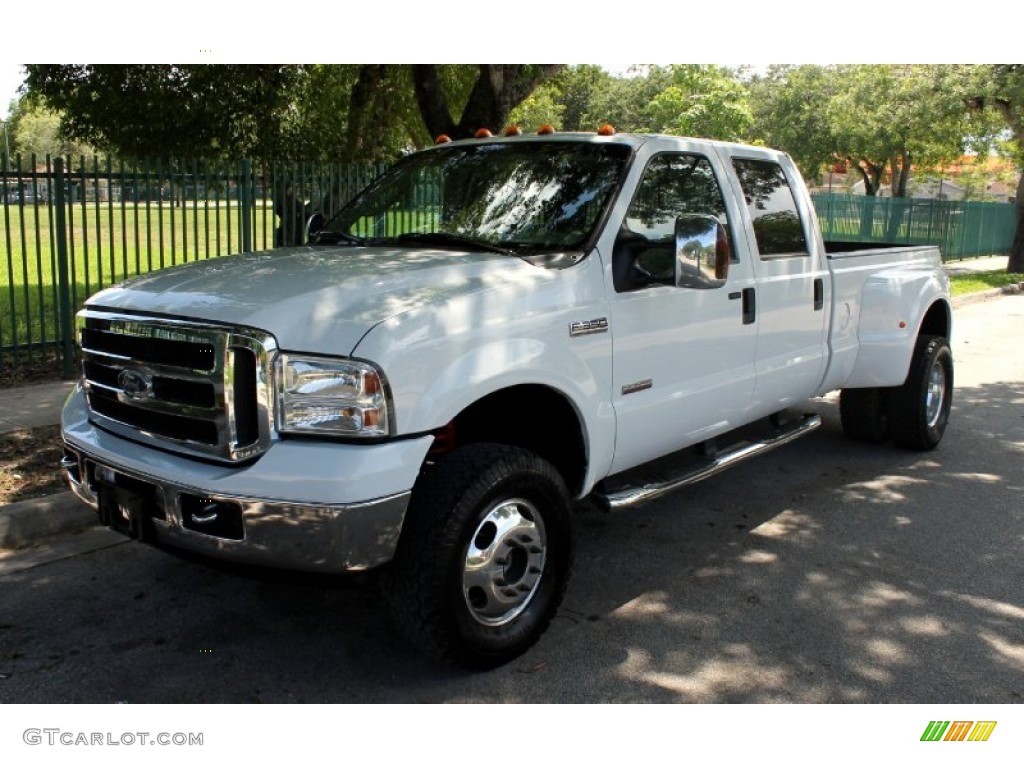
[{"x": 493, "y": 329}]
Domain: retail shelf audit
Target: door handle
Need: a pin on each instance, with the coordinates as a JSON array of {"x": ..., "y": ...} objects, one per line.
[
  {"x": 749, "y": 306},
  {"x": 819, "y": 294}
]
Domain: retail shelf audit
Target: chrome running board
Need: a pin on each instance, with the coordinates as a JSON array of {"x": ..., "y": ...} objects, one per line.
[{"x": 631, "y": 497}]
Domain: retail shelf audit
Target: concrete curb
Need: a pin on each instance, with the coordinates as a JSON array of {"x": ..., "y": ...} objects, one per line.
[
  {"x": 24, "y": 523},
  {"x": 992, "y": 293}
]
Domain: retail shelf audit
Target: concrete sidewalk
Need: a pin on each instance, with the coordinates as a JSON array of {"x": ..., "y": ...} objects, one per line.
[
  {"x": 24, "y": 523},
  {"x": 37, "y": 405}
]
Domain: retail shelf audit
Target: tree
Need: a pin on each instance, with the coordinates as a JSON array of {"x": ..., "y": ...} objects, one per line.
[
  {"x": 278, "y": 111},
  {"x": 35, "y": 131},
  {"x": 789, "y": 106},
  {"x": 624, "y": 101},
  {"x": 877, "y": 118},
  {"x": 496, "y": 91},
  {"x": 541, "y": 107},
  {"x": 177, "y": 109},
  {"x": 700, "y": 100},
  {"x": 576, "y": 87},
  {"x": 1001, "y": 89}
]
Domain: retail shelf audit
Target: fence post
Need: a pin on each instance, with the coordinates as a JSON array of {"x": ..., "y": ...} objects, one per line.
[
  {"x": 245, "y": 203},
  {"x": 63, "y": 282}
]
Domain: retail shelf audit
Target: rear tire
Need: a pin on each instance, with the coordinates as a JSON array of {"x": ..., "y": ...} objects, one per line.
[
  {"x": 865, "y": 414},
  {"x": 919, "y": 409},
  {"x": 484, "y": 556}
]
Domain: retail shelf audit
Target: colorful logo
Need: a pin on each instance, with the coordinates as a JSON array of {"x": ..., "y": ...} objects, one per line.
[{"x": 958, "y": 730}]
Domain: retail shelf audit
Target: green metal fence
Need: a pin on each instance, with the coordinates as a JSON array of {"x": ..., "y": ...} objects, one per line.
[
  {"x": 71, "y": 226},
  {"x": 961, "y": 229}
]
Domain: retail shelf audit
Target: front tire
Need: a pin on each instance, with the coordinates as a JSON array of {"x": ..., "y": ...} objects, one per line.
[
  {"x": 865, "y": 414},
  {"x": 919, "y": 409},
  {"x": 484, "y": 556}
]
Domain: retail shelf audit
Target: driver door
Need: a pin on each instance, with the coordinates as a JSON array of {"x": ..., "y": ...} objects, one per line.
[{"x": 683, "y": 357}]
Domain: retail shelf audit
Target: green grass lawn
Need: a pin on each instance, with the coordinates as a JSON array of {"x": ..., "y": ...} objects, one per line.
[
  {"x": 982, "y": 281},
  {"x": 107, "y": 243}
]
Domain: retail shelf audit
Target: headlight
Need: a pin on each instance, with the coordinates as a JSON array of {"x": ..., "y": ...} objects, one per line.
[{"x": 324, "y": 396}]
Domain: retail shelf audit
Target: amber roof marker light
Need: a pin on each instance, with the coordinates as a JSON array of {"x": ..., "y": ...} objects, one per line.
[
  {"x": 606, "y": 129},
  {"x": 546, "y": 130},
  {"x": 483, "y": 133}
]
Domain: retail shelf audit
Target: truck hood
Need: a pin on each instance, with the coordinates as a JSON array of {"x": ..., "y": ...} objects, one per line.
[{"x": 316, "y": 299}]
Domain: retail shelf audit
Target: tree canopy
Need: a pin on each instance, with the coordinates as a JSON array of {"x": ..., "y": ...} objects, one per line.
[
  {"x": 873, "y": 118},
  {"x": 347, "y": 112}
]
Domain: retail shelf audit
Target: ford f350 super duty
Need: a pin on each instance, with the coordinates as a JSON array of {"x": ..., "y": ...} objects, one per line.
[{"x": 494, "y": 328}]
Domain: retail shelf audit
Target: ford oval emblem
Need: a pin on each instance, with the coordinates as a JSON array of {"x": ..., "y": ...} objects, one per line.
[{"x": 135, "y": 384}]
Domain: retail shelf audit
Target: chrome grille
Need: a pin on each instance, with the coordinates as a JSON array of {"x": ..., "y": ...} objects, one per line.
[{"x": 191, "y": 387}]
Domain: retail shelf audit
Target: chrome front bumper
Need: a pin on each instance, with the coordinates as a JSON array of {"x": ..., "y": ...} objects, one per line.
[{"x": 159, "y": 497}]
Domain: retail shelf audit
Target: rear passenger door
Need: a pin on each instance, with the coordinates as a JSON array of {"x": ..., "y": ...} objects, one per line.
[{"x": 791, "y": 284}]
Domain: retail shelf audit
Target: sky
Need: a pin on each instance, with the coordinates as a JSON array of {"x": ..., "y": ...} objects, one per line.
[
  {"x": 751, "y": 32},
  {"x": 11, "y": 76}
]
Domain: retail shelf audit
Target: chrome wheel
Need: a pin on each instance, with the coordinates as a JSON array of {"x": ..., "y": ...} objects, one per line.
[
  {"x": 935, "y": 394},
  {"x": 919, "y": 409},
  {"x": 504, "y": 562},
  {"x": 485, "y": 555}
]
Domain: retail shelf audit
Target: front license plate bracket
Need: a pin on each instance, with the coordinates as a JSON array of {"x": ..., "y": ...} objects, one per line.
[{"x": 125, "y": 504}]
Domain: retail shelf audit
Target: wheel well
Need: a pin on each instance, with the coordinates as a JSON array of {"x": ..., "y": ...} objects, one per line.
[
  {"x": 936, "y": 320},
  {"x": 533, "y": 417}
]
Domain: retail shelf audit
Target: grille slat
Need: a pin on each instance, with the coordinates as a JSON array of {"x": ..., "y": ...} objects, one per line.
[
  {"x": 186, "y": 354},
  {"x": 179, "y": 385},
  {"x": 175, "y": 427}
]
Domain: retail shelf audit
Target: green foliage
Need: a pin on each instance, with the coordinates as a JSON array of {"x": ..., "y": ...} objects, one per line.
[
  {"x": 789, "y": 107},
  {"x": 701, "y": 100},
  {"x": 624, "y": 101},
  {"x": 540, "y": 108},
  {"x": 576, "y": 87},
  {"x": 170, "y": 109},
  {"x": 35, "y": 130},
  {"x": 872, "y": 116},
  {"x": 276, "y": 111}
]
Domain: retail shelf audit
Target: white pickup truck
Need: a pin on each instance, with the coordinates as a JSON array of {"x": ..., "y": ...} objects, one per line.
[{"x": 495, "y": 328}]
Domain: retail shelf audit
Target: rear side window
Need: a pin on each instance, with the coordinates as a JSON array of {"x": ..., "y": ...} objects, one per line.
[{"x": 772, "y": 207}]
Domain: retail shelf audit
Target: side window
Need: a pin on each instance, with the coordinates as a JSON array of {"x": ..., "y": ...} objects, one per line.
[
  {"x": 672, "y": 185},
  {"x": 772, "y": 207}
]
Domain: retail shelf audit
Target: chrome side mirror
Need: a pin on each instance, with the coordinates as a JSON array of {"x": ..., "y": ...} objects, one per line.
[{"x": 702, "y": 252}]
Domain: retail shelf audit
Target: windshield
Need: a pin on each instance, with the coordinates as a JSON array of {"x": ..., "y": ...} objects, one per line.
[{"x": 526, "y": 198}]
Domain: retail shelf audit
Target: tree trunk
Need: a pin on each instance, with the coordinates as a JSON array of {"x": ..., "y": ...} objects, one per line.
[
  {"x": 869, "y": 188},
  {"x": 369, "y": 82},
  {"x": 498, "y": 89},
  {"x": 900, "y": 174},
  {"x": 1015, "y": 263}
]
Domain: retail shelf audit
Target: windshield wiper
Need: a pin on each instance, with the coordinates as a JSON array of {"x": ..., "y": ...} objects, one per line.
[
  {"x": 446, "y": 238},
  {"x": 329, "y": 237}
]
